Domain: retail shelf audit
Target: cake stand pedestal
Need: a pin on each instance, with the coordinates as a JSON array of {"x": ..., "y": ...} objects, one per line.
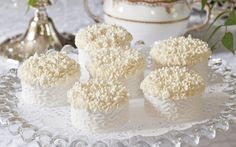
[{"x": 40, "y": 36}]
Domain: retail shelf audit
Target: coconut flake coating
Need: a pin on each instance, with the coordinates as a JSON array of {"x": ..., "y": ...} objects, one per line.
[
  {"x": 48, "y": 70},
  {"x": 180, "y": 51},
  {"x": 116, "y": 64},
  {"x": 98, "y": 95},
  {"x": 102, "y": 36},
  {"x": 173, "y": 83}
]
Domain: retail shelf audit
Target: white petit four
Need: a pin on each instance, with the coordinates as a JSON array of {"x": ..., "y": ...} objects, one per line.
[
  {"x": 175, "y": 92},
  {"x": 126, "y": 66},
  {"x": 46, "y": 78},
  {"x": 98, "y": 105}
]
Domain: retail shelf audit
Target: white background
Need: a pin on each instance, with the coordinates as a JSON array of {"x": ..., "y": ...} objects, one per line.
[{"x": 69, "y": 16}]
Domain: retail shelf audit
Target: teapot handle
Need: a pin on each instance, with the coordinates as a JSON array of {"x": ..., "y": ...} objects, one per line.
[
  {"x": 96, "y": 18},
  {"x": 205, "y": 22}
]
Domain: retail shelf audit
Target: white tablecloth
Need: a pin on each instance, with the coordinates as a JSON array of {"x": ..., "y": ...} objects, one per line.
[{"x": 69, "y": 16}]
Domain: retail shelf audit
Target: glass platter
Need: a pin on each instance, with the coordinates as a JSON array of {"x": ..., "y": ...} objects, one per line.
[{"x": 52, "y": 126}]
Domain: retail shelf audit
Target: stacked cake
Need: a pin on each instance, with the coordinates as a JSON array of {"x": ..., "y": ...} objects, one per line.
[
  {"x": 175, "y": 86},
  {"x": 104, "y": 50}
]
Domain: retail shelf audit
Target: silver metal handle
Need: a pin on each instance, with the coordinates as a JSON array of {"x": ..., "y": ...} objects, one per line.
[
  {"x": 96, "y": 18},
  {"x": 205, "y": 22}
]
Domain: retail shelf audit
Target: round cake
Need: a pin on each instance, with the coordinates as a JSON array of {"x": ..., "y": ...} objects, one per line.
[
  {"x": 98, "y": 105},
  {"x": 46, "y": 78},
  {"x": 100, "y": 36},
  {"x": 182, "y": 51},
  {"x": 126, "y": 66},
  {"x": 174, "y": 92}
]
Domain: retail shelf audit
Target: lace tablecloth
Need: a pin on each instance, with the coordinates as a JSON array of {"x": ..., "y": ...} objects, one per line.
[{"x": 69, "y": 16}]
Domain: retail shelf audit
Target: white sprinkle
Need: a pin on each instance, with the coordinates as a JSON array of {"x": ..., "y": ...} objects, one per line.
[
  {"x": 97, "y": 94},
  {"x": 173, "y": 83},
  {"x": 180, "y": 51},
  {"x": 47, "y": 70},
  {"x": 115, "y": 63},
  {"x": 102, "y": 36}
]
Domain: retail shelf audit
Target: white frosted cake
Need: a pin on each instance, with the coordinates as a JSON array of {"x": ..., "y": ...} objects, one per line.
[
  {"x": 173, "y": 92},
  {"x": 45, "y": 79},
  {"x": 100, "y": 36},
  {"x": 98, "y": 106},
  {"x": 182, "y": 51},
  {"x": 126, "y": 66}
]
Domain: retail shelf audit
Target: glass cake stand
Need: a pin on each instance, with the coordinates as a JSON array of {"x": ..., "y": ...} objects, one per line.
[{"x": 52, "y": 126}]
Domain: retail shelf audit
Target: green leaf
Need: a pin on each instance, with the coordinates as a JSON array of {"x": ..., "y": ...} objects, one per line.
[
  {"x": 204, "y": 2},
  {"x": 231, "y": 20},
  {"x": 32, "y": 2},
  {"x": 228, "y": 41}
]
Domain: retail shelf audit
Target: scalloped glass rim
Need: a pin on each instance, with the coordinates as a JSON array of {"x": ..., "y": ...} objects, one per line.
[{"x": 16, "y": 125}]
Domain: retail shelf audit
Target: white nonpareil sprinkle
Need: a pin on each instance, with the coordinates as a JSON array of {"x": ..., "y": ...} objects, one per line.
[
  {"x": 180, "y": 51},
  {"x": 102, "y": 36},
  {"x": 47, "y": 70},
  {"x": 98, "y": 95},
  {"x": 115, "y": 63},
  {"x": 173, "y": 83}
]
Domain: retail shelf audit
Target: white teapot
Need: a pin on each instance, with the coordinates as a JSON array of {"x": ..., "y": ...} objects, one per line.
[{"x": 149, "y": 20}]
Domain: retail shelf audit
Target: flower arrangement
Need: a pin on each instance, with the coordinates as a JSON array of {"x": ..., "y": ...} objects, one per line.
[{"x": 229, "y": 13}]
